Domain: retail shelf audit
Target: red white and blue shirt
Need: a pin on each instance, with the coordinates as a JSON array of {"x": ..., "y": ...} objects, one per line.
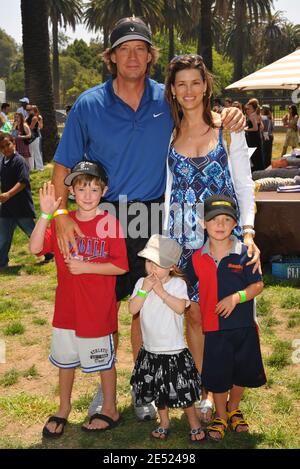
[{"x": 219, "y": 279}]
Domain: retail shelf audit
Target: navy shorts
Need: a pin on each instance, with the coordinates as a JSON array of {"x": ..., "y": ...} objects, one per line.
[{"x": 232, "y": 357}]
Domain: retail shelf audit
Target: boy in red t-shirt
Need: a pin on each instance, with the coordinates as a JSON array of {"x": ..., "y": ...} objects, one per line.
[{"x": 85, "y": 315}]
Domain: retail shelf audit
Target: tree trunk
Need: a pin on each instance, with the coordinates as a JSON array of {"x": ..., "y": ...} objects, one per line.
[
  {"x": 55, "y": 60},
  {"x": 206, "y": 33},
  {"x": 38, "y": 83},
  {"x": 171, "y": 42},
  {"x": 240, "y": 17},
  {"x": 105, "y": 71}
]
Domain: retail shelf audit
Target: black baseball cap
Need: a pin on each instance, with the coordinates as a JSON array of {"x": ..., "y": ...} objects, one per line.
[
  {"x": 87, "y": 167},
  {"x": 219, "y": 205},
  {"x": 130, "y": 31}
]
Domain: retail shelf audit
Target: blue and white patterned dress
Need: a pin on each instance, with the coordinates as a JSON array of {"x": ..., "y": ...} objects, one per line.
[{"x": 194, "y": 180}]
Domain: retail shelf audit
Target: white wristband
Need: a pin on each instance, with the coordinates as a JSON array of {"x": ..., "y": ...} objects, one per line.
[{"x": 249, "y": 230}]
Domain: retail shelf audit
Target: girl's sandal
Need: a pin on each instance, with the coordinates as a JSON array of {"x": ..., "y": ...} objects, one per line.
[
  {"x": 163, "y": 433},
  {"x": 217, "y": 425},
  {"x": 239, "y": 421}
]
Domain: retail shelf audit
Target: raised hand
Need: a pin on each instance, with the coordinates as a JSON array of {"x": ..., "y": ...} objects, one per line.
[{"x": 48, "y": 203}]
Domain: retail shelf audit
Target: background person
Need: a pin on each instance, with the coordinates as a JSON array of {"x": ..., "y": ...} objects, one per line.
[
  {"x": 35, "y": 122},
  {"x": 268, "y": 128},
  {"x": 290, "y": 121},
  {"x": 253, "y": 134},
  {"x": 22, "y": 134},
  {"x": 22, "y": 109}
]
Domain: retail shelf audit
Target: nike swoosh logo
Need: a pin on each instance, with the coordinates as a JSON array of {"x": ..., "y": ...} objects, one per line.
[{"x": 159, "y": 114}]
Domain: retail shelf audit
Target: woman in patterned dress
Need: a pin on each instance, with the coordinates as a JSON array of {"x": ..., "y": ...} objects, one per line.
[{"x": 199, "y": 167}]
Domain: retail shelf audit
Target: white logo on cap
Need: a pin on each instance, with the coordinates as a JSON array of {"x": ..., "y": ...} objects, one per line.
[{"x": 132, "y": 29}]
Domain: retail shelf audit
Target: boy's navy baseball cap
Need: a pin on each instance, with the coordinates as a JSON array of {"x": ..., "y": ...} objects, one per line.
[
  {"x": 87, "y": 167},
  {"x": 130, "y": 31},
  {"x": 219, "y": 205}
]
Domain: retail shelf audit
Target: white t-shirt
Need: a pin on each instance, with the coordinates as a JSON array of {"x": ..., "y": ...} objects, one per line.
[{"x": 162, "y": 328}]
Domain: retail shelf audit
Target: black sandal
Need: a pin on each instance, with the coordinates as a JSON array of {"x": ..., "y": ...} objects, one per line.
[
  {"x": 111, "y": 423},
  {"x": 58, "y": 421}
]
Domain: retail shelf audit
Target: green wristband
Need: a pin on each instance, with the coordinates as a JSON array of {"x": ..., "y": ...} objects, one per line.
[
  {"x": 142, "y": 293},
  {"x": 243, "y": 296},
  {"x": 46, "y": 216}
]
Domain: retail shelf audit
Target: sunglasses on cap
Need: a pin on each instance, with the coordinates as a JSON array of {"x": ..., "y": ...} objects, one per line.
[{"x": 177, "y": 58}]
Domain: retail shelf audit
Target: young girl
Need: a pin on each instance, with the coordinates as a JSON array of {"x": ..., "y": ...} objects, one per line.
[{"x": 164, "y": 371}]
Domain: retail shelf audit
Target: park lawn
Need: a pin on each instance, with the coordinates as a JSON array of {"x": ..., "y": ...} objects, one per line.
[{"x": 28, "y": 382}]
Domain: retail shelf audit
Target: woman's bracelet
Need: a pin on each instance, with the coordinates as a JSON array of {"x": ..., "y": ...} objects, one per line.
[{"x": 46, "y": 216}]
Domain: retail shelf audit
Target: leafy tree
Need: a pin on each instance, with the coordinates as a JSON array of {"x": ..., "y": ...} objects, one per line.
[
  {"x": 80, "y": 51},
  {"x": 84, "y": 79},
  {"x": 69, "y": 68},
  {"x": 8, "y": 52},
  {"x": 61, "y": 13},
  {"x": 245, "y": 14}
]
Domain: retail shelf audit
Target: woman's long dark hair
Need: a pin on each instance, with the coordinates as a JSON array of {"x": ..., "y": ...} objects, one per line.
[{"x": 188, "y": 62}]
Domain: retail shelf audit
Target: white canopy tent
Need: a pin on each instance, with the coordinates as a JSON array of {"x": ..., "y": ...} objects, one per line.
[{"x": 284, "y": 74}]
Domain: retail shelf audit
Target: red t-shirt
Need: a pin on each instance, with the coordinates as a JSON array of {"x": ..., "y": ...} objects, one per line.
[{"x": 86, "y": 303}]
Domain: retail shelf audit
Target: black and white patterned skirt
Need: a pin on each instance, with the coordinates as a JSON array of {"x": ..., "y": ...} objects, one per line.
[{"x": 169, "y": 380}]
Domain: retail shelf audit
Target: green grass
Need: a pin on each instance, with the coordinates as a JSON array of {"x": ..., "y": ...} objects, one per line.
[
  {"x": 281, "y": 355},
  {"x": 25, "y": 406},
  {"x": 27, "y": 292},
  {"x": 290, "y": 300},
  {"x": 30, "y": 372},
  {"x": 10, "y": 378},
  {"x": 16, "y": 328},
  {"x": 39, "y": 321}
]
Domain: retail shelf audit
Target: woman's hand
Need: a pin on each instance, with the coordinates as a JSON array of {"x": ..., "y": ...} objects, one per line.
[
  {"x": 233, "y": 119},
  {"x": 254, "y": 252},
  {"x": 48, "y": 203}
]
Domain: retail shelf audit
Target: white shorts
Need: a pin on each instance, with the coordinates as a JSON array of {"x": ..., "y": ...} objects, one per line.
[{"x": 91, "y": 354}]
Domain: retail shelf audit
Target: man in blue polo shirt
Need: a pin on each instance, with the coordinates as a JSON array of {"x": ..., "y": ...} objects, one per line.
[
  {"x": 126, "y": 124},
  {"x": 227, "y": 288}
]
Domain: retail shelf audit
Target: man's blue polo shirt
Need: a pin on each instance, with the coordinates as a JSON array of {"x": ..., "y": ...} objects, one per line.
[
  {"x": 219, "y": 280},
  {"x": 131, "y": 145}
]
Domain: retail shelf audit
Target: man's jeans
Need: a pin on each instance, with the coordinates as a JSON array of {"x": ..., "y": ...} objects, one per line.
[{"x": 7, "y": 228}]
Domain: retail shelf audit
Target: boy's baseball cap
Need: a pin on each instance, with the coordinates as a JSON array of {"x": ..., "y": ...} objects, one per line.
[
  {"x": 87, "y": 167},
  {"x": 164, "y": 251},
  {"x": 130, "y": 31},
  {"x": 24, "y": 100},
  {"x": 219, "y": 205}
]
